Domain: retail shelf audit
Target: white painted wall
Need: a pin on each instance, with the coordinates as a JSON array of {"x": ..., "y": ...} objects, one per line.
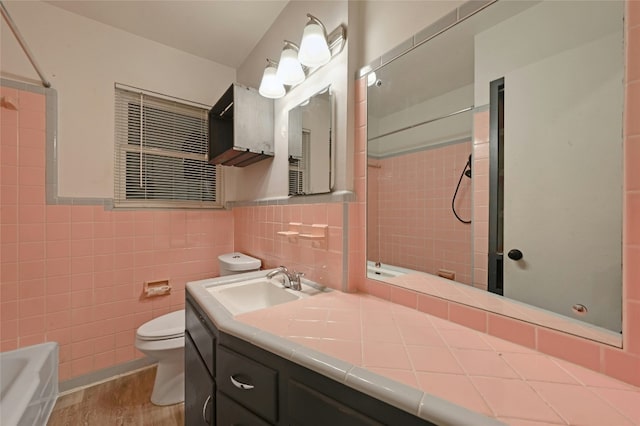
[
  {"x": 437, "y": 132},
  {"x": 83, "y": 59},
  {"x": 373, "y": 28},
  {"x": 269, "y": 179},
  {"x": 385, "y": 24},
  {"x": 563, "y": 145}
]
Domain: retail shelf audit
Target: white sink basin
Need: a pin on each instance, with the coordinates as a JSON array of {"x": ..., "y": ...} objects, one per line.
[{"x": 256, "y": 293}]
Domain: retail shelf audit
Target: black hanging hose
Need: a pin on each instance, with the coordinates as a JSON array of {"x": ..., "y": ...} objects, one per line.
[{"x": 453, "y": 200}]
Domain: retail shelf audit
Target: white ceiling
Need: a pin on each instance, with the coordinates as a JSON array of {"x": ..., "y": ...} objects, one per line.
[{"x": 224, "y": 31}]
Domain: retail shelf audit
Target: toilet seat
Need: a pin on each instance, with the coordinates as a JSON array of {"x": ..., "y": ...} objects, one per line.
[{"x": 168, "y": 326}]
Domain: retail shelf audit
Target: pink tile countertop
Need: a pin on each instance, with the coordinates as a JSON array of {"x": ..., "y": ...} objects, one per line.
[
  {"x": 514, "y": 384},
  {"x": 426, "y": 365}
]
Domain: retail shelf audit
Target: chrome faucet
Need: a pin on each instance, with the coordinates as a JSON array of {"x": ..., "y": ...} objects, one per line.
[{"x": 291, "y": 279}]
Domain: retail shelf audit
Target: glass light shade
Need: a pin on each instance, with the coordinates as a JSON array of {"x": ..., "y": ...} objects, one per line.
[
  {"x": 289, "y": 69},
  {"x": 314, "y": 50},
  {"x": 271, "y": 86}
]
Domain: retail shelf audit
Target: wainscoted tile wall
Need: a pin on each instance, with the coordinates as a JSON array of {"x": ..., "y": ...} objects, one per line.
[
  {"x": 623, "y": 364},
  {"x": 256, "y": 230},
  {"x": 414, "y": 193},
  {"x": 480, "y": 220},
  {"x": 74, "y": 274}
]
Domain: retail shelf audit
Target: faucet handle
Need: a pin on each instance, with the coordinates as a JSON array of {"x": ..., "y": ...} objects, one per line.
[{"x": 297, "y": 282}]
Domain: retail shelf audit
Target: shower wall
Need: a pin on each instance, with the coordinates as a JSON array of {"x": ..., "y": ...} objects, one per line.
[{"x": 410, "y": 207}]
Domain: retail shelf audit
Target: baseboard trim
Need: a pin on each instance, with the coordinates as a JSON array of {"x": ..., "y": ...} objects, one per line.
[{"x": 96, "y": 377}]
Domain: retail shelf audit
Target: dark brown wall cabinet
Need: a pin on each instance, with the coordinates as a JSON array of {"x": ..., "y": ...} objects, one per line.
[{"x": 240, "y": 128}]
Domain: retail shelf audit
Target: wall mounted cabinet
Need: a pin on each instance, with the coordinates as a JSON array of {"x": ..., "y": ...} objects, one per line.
[{"x": 240, "y": 128}]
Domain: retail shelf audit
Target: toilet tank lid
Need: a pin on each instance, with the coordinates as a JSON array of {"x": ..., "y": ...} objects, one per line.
[
  {"x": 238, "y": 262},
  {"x": 168, "y": 325}
]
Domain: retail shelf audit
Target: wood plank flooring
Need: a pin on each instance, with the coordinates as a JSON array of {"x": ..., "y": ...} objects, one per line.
[{"x": 123, "y": 401}]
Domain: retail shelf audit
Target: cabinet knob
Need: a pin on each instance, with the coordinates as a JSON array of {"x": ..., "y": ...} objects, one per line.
[
  {"x": 515, "y": 254},
  {"x": 240, "y": 385}
]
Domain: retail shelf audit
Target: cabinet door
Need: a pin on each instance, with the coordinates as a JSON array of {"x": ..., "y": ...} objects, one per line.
[
  {"x": 202, "y": 337},
  {"x": 231, "y": 413},
  {"x": 309, "y": 407},
  {"x": 199, "y": 396}
]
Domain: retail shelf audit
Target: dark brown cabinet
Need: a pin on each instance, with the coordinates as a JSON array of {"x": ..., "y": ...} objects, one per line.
[
  {"x": 252, "y": 386},
  {"x": 199, "y": 392}
]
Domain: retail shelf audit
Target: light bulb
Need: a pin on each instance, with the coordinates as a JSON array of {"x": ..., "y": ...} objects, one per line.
[
  {"x": 271, "y": 86},
  {"x": 290, "y": 71},
  {"x": 314, "y": 50}
]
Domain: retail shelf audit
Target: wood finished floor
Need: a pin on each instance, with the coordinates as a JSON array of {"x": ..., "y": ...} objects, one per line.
[{"x": 122, "y": 401}]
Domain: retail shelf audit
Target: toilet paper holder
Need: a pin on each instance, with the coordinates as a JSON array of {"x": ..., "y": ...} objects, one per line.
[{"x": 156, "y": 288}]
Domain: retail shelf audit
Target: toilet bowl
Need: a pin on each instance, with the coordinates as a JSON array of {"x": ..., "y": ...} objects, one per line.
[{"x": 162, "y": 338}]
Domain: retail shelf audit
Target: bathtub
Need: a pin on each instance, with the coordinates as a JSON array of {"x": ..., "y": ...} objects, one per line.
[
  {"x": 385, "y": 270},
  {"x": 28, "y": 384}
]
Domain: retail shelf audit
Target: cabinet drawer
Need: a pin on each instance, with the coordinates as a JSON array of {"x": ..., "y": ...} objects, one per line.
[
  {"x": 231, "y": 413},
  {"x": 248, "y": 382},
  {"x": 203, "y": 338},
  {"x": 309, "y": 407}
]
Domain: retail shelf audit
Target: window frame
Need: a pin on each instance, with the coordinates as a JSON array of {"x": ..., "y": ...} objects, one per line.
[{"x": 122, "y": 148}]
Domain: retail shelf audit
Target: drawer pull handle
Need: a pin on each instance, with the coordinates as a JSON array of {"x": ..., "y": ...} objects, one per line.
[
  {"x": 204, "y": 409},
  {"x": 240, "y": 385}
]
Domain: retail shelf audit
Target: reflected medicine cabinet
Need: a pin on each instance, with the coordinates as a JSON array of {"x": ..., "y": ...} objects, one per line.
[{"x": 240, "y": 128}]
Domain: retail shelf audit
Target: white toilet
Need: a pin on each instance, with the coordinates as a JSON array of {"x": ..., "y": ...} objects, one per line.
[{"x": 162, "y": 338}]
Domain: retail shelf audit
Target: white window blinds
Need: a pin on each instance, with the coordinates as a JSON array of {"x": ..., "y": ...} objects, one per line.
[{"x": 160, "y": 148}]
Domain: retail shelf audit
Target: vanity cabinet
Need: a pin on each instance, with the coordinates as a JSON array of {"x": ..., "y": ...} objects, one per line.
[
  {"x": 199, "y": 359},
  {"x": 256, "y": 387}
]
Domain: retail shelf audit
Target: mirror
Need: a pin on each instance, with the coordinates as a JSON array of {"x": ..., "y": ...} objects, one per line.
[
  {"x": 495, "y": 161},
  {"x": 310, "y": 138}
]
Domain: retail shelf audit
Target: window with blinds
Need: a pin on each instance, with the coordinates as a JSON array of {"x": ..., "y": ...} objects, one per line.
[
  {"x": 160, "y": 148},
  {"x": 298, "y": 167}
]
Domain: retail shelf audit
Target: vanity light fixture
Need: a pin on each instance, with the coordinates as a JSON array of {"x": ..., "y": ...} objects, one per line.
[
  {"x": 371, "y": 78},
  {"x": 271, "y": 86},
  {"x": 314, "y": 48},
  {"x": 290, "y": 70},
  {"x": 296, "y": 63}
]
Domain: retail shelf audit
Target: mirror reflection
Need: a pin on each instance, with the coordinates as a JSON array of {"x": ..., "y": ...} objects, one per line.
[
  {"x": 495, "y": 159},
  {"x": 310, "y": 132}
]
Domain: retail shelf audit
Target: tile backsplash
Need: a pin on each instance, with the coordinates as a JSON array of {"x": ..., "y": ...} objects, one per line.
[{"x": 256, "y": 232}]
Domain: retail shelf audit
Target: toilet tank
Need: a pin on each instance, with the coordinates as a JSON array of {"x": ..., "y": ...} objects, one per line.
[{"x": 237, "y": 263}]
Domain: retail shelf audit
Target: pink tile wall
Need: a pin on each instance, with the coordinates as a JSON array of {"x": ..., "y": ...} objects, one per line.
[
  {"x": 74, "y": 274},
  {"x": 480, "y": 221},
  {"x": 256, "y": 230},
  {"x": 358, "y": 209},
  {"x": 417, "y": 228},
  {"x": 623, "y": 364},
  {"x": 373, "y": 222}
]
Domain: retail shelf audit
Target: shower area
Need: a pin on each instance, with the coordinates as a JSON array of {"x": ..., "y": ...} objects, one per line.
[{"x": 419, "y": 198}]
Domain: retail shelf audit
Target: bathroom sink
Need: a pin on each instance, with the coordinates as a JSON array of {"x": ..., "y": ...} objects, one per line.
[{"x": 257, "y": 293}]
